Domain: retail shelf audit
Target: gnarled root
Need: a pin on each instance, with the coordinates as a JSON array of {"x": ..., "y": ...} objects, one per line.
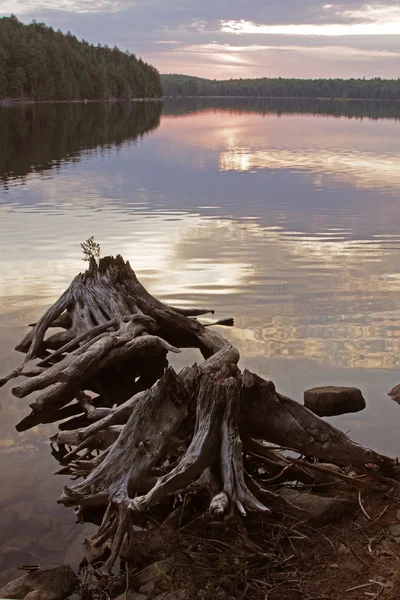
[
  {"x": 273, "y": 417},
  {"x": 143, "y": 435}
]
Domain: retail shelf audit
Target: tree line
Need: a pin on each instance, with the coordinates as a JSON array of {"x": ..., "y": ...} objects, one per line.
[
  {"x": 36, "y": 138},
  {"x": 347, "y": 109},
  {"x": 184, "y": 85},
  {"x": 39, "y": 63}
]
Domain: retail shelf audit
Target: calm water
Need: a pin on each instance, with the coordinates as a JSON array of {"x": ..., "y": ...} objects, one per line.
[{"x": 283, "y": 215}]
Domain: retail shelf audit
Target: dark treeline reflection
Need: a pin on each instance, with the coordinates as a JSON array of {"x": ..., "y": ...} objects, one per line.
[
  {"x": 35, "y": 138},
  {"x": 337, "y": 108},
  {"x": 279, "y": 87}
]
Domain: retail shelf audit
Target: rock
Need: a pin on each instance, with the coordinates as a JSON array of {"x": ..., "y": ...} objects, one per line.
[
  {"x": 153, "y": 571},
  {"x": 18, "y": 543},
  {"x": 319, "y": 510},
  {"x": 395, "y": 394},
  {"x": 75, "y": 552},
  {"x": 149, "y": 588},
  {"x": 23, "y": 510},
  {"x": 42, "y": 518},
  {"x": 394, "y": 529},
  {"x": 132, "y": 596},
  {"x": 51, "y": 543},
  {"x": 175, "y": 595},
  {"x": 36, "y": 595},
  {"x": 95, "y": 553},
  {"x": 331, "y": 401},
  {"x": 45, "y": 584},
  {"x": 398, "y": 515},
  {"x": 343, "y": 549}
]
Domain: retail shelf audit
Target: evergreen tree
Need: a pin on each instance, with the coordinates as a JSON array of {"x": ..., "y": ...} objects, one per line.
[
  {"x": 266, "y": 87},
  {"x": 39, "y": 63}
]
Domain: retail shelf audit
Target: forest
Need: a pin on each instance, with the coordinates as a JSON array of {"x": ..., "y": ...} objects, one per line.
[
  {"x": 38, "y": 63},
  {"x": 184, "y": 85}
]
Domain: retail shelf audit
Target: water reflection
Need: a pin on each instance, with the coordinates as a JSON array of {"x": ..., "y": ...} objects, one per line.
[
  {"x": 347, "y": 109},
  {"x": 36, "y": 138},
  {"x": 289, "y": 223},
  {"x": 357, "y": 168}
]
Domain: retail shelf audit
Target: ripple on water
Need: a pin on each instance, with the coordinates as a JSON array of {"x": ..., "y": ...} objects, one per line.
[{"x": 304, "y": 257}]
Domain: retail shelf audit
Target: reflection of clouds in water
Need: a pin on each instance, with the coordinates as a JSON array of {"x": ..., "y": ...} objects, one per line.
[
  {"x": 219, "y": 130},
  {"x": 262, "y": 277},
  {"x": 282, "y": 284},
  {"x": 279, "y": 285},
  {"x": 335, "y": 345},
  {"x": 313, "y": 287},
  {"x": 362, "y": 153},
  {"x": 362, "y": 170},
  {"x": 332, "y": 318}
]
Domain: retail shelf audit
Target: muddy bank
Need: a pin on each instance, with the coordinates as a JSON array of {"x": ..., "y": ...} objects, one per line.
[{"x": 281, "y": 559}]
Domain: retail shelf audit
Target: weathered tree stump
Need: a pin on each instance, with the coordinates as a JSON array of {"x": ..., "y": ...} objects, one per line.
[{"x": 147, "y": 434}]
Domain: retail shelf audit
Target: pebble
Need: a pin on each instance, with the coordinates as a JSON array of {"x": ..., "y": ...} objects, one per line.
[{"x": 394, "y": 529}]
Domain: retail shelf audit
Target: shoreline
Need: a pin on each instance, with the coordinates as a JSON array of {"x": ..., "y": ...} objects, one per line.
[
  {"x": 321, "y": 98},
  {"x": 12, "y": 102},
  {"x": 5, "y": 102}
]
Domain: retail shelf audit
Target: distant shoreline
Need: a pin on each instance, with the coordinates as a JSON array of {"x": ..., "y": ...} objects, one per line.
[
  {"x": 324, "y": 99},
  {"x": 25, "y": 101},
  {"x": 28, "y": 101}
]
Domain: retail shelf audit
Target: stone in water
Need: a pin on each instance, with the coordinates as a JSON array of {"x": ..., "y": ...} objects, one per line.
[{"x": 330, "y": 401}]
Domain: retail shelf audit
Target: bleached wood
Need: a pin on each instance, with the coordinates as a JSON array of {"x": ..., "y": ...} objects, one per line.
[{"x": 162, "y": 434}]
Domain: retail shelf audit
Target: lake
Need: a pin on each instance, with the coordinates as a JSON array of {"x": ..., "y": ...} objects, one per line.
[{"x": 283, "y": 214}]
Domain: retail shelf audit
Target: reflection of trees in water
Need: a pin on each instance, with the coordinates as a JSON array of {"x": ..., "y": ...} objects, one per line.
[
  {"x": 336, "y": 108},
  {"x": 35, "y": 138}
]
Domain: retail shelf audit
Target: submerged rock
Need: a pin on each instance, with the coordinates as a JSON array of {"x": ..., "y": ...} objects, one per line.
[
  {"x": 330, "y": 401},
  {"x": 44, "y": 584},
  {"x": 129, "y": 595},
  {"x": 395, "y": 394},
  {"x": 18, "y": 543},
  {"x": 394, "y": 529},
  {"x": 319, "y": 510},
  {"x": 175, "y": 595}
]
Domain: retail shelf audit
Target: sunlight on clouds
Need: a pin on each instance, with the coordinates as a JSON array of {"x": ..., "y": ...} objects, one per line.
[
  {"x": 223, "y": 60},
  {"x": 8, "y": 7},
  {"x": 372, "y": 21},
  {"x": 74, "y": 6},
  {"x": 232, "y": 53},
  {"x": 246, "y": 27}
]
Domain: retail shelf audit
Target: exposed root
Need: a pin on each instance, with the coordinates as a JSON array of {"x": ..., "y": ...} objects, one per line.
[{"x": 145, "y": 438}]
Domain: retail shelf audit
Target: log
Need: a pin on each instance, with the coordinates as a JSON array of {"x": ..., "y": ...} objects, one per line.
[
  {"x": 280, "y": 420},
  {"x": 143, "y": 436}
]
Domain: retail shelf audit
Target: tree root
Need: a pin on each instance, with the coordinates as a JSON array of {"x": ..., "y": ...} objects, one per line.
[{"x": 149, "y": 437}]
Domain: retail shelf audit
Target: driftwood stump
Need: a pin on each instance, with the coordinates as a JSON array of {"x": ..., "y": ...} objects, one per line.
[{"x": 141, "y": 434}]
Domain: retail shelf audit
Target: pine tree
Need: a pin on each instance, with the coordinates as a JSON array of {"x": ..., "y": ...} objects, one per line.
[{"x": 43, "y": 64}]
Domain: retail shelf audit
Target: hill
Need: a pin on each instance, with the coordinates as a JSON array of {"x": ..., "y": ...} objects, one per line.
[
  {"x": 185, "y": 85},
  {"x": 39, "y": 63}
]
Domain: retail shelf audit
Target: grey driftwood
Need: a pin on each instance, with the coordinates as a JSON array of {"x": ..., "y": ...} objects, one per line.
[{"x": 142, "y": 434}]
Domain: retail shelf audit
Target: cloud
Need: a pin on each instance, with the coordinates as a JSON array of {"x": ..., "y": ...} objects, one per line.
[
  {"x": 178, "y": 36},
  {"x": 225, "y": 61},
  {"x": 369, "y": 21}
]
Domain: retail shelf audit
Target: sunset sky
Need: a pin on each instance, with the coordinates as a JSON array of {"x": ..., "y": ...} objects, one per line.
[{"x": 232, "y": 38}]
